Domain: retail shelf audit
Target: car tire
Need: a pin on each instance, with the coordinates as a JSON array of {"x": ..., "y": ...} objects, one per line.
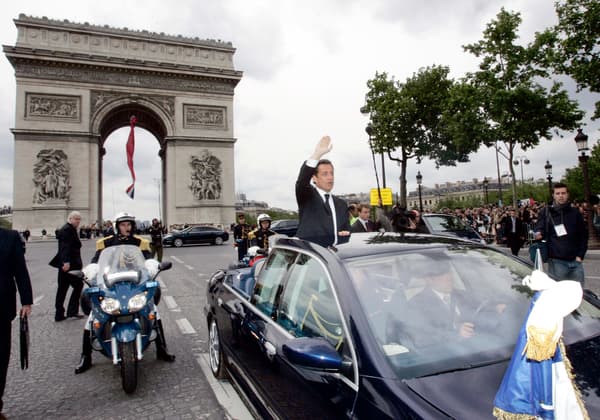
[
  {"x": 218, "y": 240},
  {"x": 178, "y": 243},
  {"x": 216, "y": 357}
]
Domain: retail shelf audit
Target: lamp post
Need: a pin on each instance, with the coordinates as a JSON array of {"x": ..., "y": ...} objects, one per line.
[
  {"x": 582, "y": 147},
  {"x": 522, "y": 160},
  {"x": 419, "y": 181},
  {"x": 485, "y": 189},
  {"x": 548, "y": 169}
]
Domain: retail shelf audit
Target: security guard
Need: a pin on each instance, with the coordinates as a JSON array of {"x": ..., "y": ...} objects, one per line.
[
  {"x": 240, "y": 236},
  {"x": 124, "y": 227},
  {"x": 260, "y": 236}
]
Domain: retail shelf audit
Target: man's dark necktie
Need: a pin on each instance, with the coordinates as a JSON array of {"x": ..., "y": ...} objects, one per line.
[{"x": 327, "y": 208}]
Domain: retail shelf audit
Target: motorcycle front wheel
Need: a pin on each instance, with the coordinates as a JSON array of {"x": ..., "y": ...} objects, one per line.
[{"x": 129, "y": 366}]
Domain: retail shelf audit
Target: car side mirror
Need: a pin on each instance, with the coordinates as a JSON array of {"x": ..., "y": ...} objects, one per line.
[
  {"x": 314, "y": 353},
  {"x": 165, "y": 265}
]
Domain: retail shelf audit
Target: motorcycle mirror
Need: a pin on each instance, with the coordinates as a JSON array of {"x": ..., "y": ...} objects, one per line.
[
  {"x": 165, "y": 265},
  {"x": 77, "y": 273}
]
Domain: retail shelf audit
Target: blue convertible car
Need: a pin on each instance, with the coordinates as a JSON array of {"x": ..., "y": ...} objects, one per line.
[{"x": 385, "y": 326}]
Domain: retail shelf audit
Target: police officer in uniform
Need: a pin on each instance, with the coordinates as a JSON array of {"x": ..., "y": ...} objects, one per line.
[
  {"x": 240, "y": 236},
  {"x": 260, "y": 236},
  {"x": 156, "y": 235},
  {"x": 124, "y": 226}
]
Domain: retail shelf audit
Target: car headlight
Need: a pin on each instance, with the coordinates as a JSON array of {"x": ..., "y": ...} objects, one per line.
[
  {"x": 137, "y": 302},
  {"x": 110, "y": 306}
]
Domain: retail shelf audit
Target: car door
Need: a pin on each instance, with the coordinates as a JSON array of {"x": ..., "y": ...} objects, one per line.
[
  {"x": 196, "y": 235},
  {"x": 301, "y": 303}
]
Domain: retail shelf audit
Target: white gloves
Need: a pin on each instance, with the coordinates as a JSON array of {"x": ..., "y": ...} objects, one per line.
[
  {"x": 90, "y": 271},
  {"x": 152, "y": 266}
]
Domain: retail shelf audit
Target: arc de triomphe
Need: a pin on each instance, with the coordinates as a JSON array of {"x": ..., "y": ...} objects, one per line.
[{"x": 77, "y": 83}]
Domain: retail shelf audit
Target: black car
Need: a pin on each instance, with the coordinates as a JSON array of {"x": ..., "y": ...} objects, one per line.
[
  {"x": 325, "y": 333},
  {"x": 285, "y": 227},
  {"x": 196, "y": 235},
  {"x": 448, "y": 224}
]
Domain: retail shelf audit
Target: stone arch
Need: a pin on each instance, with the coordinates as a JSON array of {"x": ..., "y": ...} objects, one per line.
[{"x": 77, "y": 83}]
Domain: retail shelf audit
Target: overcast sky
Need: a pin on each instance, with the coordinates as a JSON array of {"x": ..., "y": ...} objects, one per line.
[{"x": 305, "y": 67}]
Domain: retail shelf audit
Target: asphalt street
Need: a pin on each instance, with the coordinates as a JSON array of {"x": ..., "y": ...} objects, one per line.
[{"x": 185, "y": 389}]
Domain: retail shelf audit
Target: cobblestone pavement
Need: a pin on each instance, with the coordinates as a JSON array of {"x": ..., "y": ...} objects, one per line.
[{"x": 49, "y": 389}]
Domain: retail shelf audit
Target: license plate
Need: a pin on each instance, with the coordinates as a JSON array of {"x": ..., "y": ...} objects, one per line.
[{"x": 125, "y": 319}]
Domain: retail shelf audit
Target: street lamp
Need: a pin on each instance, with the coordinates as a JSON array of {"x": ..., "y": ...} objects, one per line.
[
  {"x": 582, "y": 147},
  {"x": 548, "y": 169},
  {"x": 419, "y": 181},
  {"x": 485, "y": 189},
  {"x": 523, "y": 161}
]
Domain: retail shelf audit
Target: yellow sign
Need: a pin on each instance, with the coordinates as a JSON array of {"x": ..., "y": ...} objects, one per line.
[{"x": 386, "y": 196}]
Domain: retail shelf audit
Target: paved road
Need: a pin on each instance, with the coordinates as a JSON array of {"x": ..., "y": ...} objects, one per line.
[
  {"x": 182, "y": 390},
  {"x": 51, "y": 390}
]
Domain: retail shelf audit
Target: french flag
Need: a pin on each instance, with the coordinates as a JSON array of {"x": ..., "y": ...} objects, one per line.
[{"x": 130, "y": 148}]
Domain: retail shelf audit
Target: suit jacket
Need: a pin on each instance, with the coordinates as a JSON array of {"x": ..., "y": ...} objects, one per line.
[
  {"x": 358, "y": 227},
  {"x": 316, "y": 222},
  {"x": 69, "y": 248},
  {"x": 13, "y": 275},
  {"x": 519, "y": 234}
]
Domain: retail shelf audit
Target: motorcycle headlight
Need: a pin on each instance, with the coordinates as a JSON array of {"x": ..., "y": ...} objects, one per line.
[
  {"x": 110, "y": 306},
  {"x": 137, "y": 302}
]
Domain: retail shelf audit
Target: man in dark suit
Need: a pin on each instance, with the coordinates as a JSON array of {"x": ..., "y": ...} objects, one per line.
[
  {"x": 323, "y": 217},
  {"x": 362, "y": 223},
  {"x": 513, "y": 232},
  {"x": 68, "y": 258},
  {"x": 445, "y": 313},
  {"x": 13, "y": 276}
]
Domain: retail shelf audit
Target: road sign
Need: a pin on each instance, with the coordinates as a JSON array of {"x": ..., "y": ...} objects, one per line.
[{"x": 386, "y": 196}]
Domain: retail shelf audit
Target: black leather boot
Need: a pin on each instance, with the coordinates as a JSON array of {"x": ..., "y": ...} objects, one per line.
[
  {"x": 86, "y": 354},
  {"x": 161, "y": 344}
]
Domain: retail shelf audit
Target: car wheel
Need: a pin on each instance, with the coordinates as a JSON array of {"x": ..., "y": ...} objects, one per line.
[
  {"x": 215, "y": 353},
  {"x": 178, "y": 243},
  {"x": 218, "y": 240}
]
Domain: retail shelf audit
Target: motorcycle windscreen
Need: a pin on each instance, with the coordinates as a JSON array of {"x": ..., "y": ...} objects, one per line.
[{"x": 121, "y": 263}]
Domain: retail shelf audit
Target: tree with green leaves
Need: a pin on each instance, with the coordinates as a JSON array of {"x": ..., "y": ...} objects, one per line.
[
  {"x": 520, "y": 110},
  {"x": 413, "y": 119},
  {"x": 572, "y": 46}
]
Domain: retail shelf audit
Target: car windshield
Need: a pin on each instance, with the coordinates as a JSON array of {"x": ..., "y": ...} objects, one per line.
[
  {"x": 447, "y": 309},
  {"x": 121, "y": 263}
]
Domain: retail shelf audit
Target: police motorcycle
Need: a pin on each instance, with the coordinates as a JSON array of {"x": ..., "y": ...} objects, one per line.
[{"x": 122, "y": 294}]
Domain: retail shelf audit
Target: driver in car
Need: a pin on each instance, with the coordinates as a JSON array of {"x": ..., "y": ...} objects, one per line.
[
  {"x": 446, "y": 313},
  {"x": 124, "y": 227}
]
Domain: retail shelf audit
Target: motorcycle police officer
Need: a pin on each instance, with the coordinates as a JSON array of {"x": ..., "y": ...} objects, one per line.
[
  {"x": 260, "y": 236},
  {"x": 124, "y": 227}
]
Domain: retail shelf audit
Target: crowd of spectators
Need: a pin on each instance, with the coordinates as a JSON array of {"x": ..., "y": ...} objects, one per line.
[{"x": 5, "y": 210}]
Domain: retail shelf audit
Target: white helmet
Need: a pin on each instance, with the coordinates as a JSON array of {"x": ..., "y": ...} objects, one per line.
[
  {"x": 263, "y": 217},
  {"x": 124, "y": 217},
  {"x": 253, "y": 251}
]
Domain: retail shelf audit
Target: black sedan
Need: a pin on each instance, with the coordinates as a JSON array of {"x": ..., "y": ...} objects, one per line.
[
  {"x": 196, "y": 235},
  {"x": 356, "y": 332},
  {"x": 286, "y": 227},
  {"x": 450, "y": 225}
]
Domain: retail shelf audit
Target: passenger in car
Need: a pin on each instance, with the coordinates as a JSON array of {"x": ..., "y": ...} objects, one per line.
[{"x": 445, "y": 312}]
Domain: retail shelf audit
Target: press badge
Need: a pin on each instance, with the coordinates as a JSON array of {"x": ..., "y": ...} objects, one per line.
[{"x": 560, "y": 230}]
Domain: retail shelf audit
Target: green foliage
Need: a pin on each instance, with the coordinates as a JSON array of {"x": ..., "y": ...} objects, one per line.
[
  {"x": 519, "y": 109},
  {"x": 419, "y": 118},
  {"x": 571, "y": 46},
  {"x": 574, "y": 176}
]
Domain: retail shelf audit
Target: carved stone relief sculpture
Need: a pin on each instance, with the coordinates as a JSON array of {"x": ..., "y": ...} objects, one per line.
[
  {"x": 52, "y": 107},
  {"x": 204, "y": 116},
  {"x": 206, "y": 176},
  {"x": 51, "y": 177}
]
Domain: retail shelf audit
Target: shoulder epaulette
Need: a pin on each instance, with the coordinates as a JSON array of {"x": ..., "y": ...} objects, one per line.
[{"x": 100, "y": 243}]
